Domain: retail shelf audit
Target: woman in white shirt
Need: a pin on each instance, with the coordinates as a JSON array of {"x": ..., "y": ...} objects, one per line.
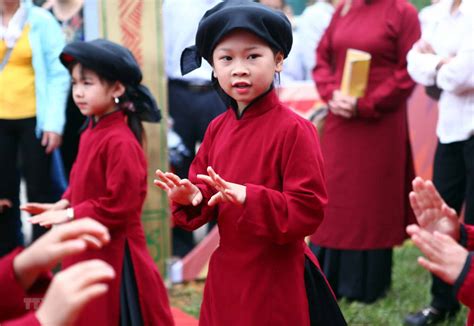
[{"x": 444, "y": 57}]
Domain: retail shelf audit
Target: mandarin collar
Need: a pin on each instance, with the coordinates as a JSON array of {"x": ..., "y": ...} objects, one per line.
[
  {"x": 107, "y": 120},
  {"x": 261, "y": 104}
]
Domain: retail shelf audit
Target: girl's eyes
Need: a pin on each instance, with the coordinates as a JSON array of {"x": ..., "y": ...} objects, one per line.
[{"x": 251, "y": 56}]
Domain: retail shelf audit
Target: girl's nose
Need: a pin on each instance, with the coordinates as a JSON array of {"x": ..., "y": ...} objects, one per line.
[{"x": 240, "y": 69}]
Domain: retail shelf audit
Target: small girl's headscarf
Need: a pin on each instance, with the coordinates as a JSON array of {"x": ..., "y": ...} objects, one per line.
[
  {"x": 115, "y": 62},
  {"x": 270, "y": 25}
]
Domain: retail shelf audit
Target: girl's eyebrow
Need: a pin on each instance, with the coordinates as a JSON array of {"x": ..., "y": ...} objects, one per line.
[{"x": 250, "y": 48}]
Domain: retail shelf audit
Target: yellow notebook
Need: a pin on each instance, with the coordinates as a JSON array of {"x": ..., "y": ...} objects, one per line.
[{"x": 356, "y": 73}]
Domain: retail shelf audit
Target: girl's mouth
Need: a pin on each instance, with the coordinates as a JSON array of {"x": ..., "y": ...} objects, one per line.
[{"x": 241, "y": 87}]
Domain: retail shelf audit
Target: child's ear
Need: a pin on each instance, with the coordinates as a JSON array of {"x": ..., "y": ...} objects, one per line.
[
  {"x": 214, "y": 73},
  {"x": 119, "y": 89},
  {"x": 279, "y": 62}
]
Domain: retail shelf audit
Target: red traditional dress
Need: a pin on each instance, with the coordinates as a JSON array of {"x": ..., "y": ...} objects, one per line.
[
  {"x": 464, "y": 285},
  {"x": 108, "y": 184},
  {"x": 17, "y": 306},
  {"x": 368, "y": 158},
  {"x": 256, "y": 275}
]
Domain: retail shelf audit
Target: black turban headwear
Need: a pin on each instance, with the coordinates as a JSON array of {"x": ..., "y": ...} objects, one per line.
[
  {"x": 116, "y": 63},
  {"x": 270, "y": 25}
]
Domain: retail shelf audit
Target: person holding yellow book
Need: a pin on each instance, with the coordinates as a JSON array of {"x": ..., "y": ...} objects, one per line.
[{"x": 365, "y": 146}]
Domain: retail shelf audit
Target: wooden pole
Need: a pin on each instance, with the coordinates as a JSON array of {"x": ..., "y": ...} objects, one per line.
[{"x": 137, "y": 24}]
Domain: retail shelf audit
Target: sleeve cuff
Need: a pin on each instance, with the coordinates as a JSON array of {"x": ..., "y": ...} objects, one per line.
[
  {"x": 366, "y": 108},
  {"x": 462, "y": 277}
]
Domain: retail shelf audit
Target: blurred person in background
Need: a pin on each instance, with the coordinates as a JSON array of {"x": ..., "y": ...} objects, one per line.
[
  {"x": 70, "y": 15},
  {"x": 443, "y": 61},
  {"x": 366, "y": 147},
  {"x": 192, "y": 101},
  {"x": 33, "y": 90}
]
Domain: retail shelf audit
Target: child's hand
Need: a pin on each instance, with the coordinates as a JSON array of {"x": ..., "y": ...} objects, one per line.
[
  {"x": 444, "y": 257},
  {"x": 227, "y": 191},
  {"x": 71, "y": 289},
  {"x": 5, "y": 203},
  {"x": 181, "y": 191},
  {"x": 49, "y": 218},
  {"x": 64, "y": 240},
  {"x": 38, "y": 208}
]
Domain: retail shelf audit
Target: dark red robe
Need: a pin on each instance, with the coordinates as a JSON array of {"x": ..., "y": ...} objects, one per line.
[
  {"x": 17, "y": 306},
  {"x": 368, "y": 160},
  {"x": 108, "y": 184},
  {"x": 256, "y": 275},
  {"x": 465, "y": 290}
]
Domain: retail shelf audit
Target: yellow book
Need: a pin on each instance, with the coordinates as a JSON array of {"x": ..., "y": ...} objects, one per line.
[{"x": 356, "y": 73}]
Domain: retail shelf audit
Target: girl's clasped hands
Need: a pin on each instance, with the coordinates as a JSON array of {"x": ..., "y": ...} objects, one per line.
[{"x": 184, "y": 192}]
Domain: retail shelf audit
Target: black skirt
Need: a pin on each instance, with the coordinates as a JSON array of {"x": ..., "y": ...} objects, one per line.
[
  {"x": 359, "y": 275},
  {"x": 130, "y": 313},
  {"x": 323, "y": 307}
]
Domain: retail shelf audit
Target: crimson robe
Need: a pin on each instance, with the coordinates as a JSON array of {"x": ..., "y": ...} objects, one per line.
[
  {"x": 256, "y": 275},
  {"x": 368, "y": 159},
  {"x": 108, "y": 183},
  {"x": 17, "y": 306},
  {"x": 465, "y": 290}
]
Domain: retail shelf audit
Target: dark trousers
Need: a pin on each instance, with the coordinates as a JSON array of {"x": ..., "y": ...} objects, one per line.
[
  {"x": 192, "y": 109},
  {"x": 21, "y": 153},
  {"x": 453, "y": 176}
]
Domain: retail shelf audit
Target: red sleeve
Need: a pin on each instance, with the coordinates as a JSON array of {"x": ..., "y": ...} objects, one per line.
[
  {"x": 296, "y": 211},
  {"x": 190, "y": 217},
  {"x": 470, "y": 236},
  {"x": 396, "y": 89},
  {"x": 14, "y": 300},
  {"x": 324, "y": 73},
  {"x": 464, "y": 285},
  {"x": 125, "y": 170},
  {"x": 25, "y": 320},
  {"x": 12, "y": 295}
]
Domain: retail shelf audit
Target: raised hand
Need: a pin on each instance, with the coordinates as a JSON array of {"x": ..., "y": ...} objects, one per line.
[
  {"x": 227, "y": 191},
  {"x": 64, "y": 240},
  {"x": 38, "y": 208},
  {"x": 431, "y": 211},
  {"x": 71, "y": 289},
  {"x": 49, "y": 218},
  {"x": 181, "y": 191},
  {"x": 444, "y": 256}
]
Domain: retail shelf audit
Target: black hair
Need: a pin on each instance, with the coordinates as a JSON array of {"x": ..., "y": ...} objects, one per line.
[{"x": 126, "y": 103}]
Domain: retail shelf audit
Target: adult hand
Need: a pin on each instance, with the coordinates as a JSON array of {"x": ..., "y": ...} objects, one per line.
[
  {"x": 342, "y": 105},
  {"x": 51, "y": 141},
  {"x": 64, "y": 240},
  {"x": 71, "y": 289},
  {"x": 227, "y": 191},
  {"x": 431, "y": 211},
  {"x": 444, "y": 256},
  {"x": 38, "y": 208},
  {"x": 424, "y": 47},
  {"x": 4, "y": 203},
  {"x": 49, "y": 218},
  {"x": 181, "y": 191}
]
